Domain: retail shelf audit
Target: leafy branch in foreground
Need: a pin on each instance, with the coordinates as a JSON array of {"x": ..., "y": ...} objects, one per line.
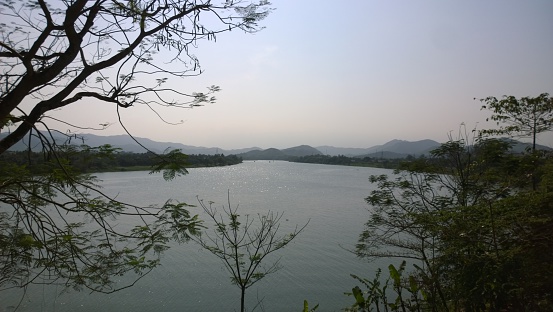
[
  {"x": 244, "y": 242},
  {"x": 47, "y": 237},
  {"x": 56, "y": 223},
  {"x": 377, "y": 296}
]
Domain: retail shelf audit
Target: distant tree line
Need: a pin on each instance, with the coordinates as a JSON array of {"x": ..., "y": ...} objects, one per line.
[
  {"x": 351, "y": 161},
  {"x": 86, "y": 159}
]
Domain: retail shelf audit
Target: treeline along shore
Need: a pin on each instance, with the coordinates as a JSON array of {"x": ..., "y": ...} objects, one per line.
[
  {"x": 105, "y": 159},
  {"x": 342, "y": 160}
]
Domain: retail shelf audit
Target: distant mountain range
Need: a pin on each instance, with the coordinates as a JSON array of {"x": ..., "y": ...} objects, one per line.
[
  {"x": 392, "y": 149},
  {"x": 127, "y": 144},
  {"x": 276, "y": 154}
]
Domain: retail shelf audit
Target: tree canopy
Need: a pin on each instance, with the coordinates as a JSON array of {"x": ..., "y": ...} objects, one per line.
[
  {"x": 474, "y": 222},
  {"x": 56, "y": 226},
  {"x": 244, "y": 243},
  {"x": 525, "y": 117}
]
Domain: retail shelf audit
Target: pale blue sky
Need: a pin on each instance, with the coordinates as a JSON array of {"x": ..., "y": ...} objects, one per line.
[{"x": 357, "y": 74}]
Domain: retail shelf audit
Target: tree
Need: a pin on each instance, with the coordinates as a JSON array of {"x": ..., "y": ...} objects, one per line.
[
  {"x": 244, "y": 243},
  {"x": 470, "y": 223},
  {"x": 406, "y": 211},
  {"x": 524, "y": 117},
  {"x": 55, "y": 222}
]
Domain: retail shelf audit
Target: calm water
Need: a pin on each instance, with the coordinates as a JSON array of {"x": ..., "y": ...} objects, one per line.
[{"x": 316, "y": 266}]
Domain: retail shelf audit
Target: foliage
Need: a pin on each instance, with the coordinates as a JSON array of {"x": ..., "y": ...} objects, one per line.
[
  {"x": 470, "y": 217},
  {"x": 526, "y": 117},
  {"x": 45, "y": 236},
  {"x": 243, "y": 243},
  {"x": 306, "y": 307},
  {"x": 56, "y": 223},
  {"x": 85, "y": 159},
  {"x": 378, "y": 297},
  {"x": 349, "y": 161}
]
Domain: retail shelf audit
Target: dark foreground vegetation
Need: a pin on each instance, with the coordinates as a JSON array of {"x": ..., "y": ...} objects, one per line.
[
  {"x": 53, "y": 55},
  {"x": 473, "y": 222}
]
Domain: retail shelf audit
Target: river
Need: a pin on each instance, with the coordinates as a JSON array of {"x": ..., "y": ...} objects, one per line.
[{"x": 316, "y": 266}]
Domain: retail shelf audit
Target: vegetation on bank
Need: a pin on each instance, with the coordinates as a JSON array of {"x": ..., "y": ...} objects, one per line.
[
  {"x": 342, "y": 160},
  {"x": 105, "y": 158},
  {"x": 473, "y": 219},
  {"x": 476, "y": 231}
]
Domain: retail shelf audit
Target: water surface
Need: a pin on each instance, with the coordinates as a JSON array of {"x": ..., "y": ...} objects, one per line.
[{"x": 316, "y": 266}]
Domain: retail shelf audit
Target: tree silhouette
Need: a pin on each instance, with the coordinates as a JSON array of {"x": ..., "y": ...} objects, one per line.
[
  {"x": 56, "y": 224},
  {"x": 524, "y": 117},
  {"x": 243, "y": 243}
]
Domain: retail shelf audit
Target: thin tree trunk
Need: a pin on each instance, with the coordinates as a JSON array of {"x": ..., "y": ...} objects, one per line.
[
  {"x": 534, "y": 180},
  {"x": 243, "y": 295}
]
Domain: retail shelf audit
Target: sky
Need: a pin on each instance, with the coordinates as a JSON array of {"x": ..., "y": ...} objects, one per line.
[{"x": 355, "y": 74}]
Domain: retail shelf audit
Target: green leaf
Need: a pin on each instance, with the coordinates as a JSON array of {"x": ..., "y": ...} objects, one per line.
[
  {"x": 394, "y": 274},
  {"x": 358, "y": 294}
]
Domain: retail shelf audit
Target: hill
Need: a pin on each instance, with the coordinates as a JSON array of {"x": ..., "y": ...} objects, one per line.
[
  {"x": 383, "y": 155},
  {"x": 276, "y": 154},
  {"x": 414, "y": 148},
  {"x": 520, "y": 147},
  {"x": 345, "y": 151},
  {"x": 268, "y": 154},
  {"x": 124, "y": 142},
  {"x": 392, "y": 149},
  {"x": 302, "y": 150}
]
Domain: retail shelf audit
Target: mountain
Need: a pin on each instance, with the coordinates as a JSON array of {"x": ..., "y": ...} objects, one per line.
[
  {"x": 302, "y": 150},
  {"x": 391, "y": 149},
  {"x": 125, "y": 142},
  {"x": 401, "y": 149},
  {"x": 346, "y": 151},
  {"x": 521, "y": 147},
  {"x": 128, "y": 144},
  {"x": 268, "y": 154},
  {"x": 397, "y": 148},
  {"x": 414, "y": 148},
  {"x": 276, "y": 154},
  {"x": 383, "y": 155}
]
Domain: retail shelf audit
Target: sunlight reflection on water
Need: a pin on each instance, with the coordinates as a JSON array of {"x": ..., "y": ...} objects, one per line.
[{"x": 316, "y": 266}]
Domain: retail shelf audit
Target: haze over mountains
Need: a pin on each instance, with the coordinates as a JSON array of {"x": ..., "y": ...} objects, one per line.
[
  {"x": 127, "y": 144},
  {"x": 392, "y": 149}
]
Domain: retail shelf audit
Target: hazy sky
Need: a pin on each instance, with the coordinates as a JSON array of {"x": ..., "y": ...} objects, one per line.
[{"x": 357, "y": 74}]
